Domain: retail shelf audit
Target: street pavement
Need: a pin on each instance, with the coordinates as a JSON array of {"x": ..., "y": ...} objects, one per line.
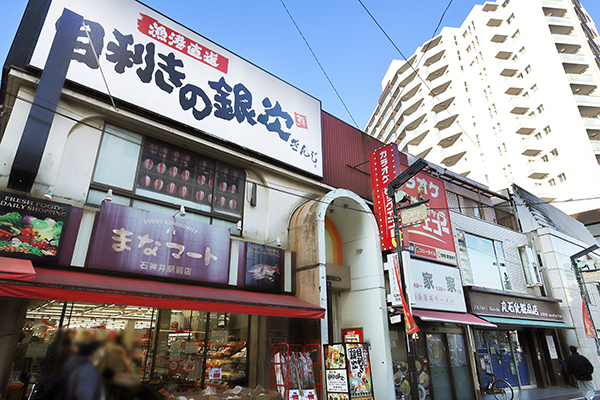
[{"x": 551, "y": 393}]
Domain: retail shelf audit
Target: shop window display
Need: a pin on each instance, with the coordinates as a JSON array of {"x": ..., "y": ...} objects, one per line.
[{"x": 148, "y": 353}]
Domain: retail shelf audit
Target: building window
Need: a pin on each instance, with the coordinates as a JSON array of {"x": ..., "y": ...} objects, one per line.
[
  {"x": 538, "y": 136},
  {"x": 554, "y": 153},
  {"x": 562, "y": 177},
  {"x": 520, "y": 76},
  {"x": 540, "y": 108},
  {"x": 545, "y": 158},
  {"x": 534, "y": 88},
  {"x": 547, "y": 130},
  {"x": 156, "y": 176},
  {"x": 483, "y": 263},
  {"x": 516, "y": 34},
  {"x": 528, "y": 69},
  {"x": 510, "y": 18},
  {"x": 530, "y": 266},
  {"x": 552, "y": 182},
  {"x": 522, "y": 50}
]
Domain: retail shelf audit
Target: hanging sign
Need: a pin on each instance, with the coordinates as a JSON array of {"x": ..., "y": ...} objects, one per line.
[
  {"x": 409, "y": 321},
  {"x": 587, "y": 322}
]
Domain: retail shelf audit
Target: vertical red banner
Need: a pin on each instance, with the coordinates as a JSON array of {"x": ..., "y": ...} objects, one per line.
[
  {"x": 587, "y": 322},
  {"x": 385, "y": 166}
]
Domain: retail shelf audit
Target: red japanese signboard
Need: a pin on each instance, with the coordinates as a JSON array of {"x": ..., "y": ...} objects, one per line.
[
  {"x": 432, "y": 238},
  {"x": 385, "y": 166}
]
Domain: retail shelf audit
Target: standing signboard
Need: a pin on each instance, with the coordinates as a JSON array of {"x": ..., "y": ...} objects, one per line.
[
  {"x": 152, "y": 62},
  {"x": 348, "y": 371}
]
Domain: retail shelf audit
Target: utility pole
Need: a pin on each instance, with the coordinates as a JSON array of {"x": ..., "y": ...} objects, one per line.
[
  {"x": 400, "y": 180},
  {"x": 583, "y": 290}
]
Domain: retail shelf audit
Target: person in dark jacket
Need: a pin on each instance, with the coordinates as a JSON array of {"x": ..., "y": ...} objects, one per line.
[
  {"x": 582, "y": 370},
  {"x": 85, "y": 382}
]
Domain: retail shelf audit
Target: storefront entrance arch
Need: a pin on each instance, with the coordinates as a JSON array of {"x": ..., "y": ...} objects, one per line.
[{"x": 362, "y": 304}]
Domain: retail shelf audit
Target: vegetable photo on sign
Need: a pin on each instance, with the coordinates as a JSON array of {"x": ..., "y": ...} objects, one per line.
[{"x": 31, "y": 228}]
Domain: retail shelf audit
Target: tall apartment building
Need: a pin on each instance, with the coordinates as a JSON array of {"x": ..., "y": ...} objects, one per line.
[{"x": 510, "y": 96}]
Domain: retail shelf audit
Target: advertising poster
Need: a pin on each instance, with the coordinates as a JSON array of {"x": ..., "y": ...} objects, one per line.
[
  {"x": 348, "y": 371},
  {"x": 31, "y": 228},
  {"x": 264, "y": 267},
  {"x": 130, "y": 240}
]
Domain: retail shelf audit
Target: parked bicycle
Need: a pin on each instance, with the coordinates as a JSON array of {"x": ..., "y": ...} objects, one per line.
[{"x": 499, "y": 388}]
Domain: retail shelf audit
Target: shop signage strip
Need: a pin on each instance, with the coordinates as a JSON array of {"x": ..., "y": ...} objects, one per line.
[
  {"x": 506, "y": 306},
  {"x": 154, "y": 63}
]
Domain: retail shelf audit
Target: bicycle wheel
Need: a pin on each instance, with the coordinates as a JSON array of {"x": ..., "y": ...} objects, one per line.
[{"x": 502, "y": 390}]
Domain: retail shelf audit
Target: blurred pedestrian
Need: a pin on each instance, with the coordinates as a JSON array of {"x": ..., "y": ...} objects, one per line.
[
  {"x": 84, "y": 381},
  {"x": 582, "y": 369}
]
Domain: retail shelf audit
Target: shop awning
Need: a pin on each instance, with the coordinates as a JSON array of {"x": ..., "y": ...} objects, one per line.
[
  {"x": 452, "y": 317},
  {"x": 530, "y": 323},
  {"x": 13, "y": 268},
  {"x": 90, "y": 287}
]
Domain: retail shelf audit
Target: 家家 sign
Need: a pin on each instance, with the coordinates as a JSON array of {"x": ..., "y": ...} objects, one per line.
[
  {"x": 436, "y": 287},
  {"x": 131, "y": 240},
  {"x": 154, "y": 63}
]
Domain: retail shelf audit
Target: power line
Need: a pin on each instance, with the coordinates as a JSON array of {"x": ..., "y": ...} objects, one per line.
[{"x": 319, "y": 63}]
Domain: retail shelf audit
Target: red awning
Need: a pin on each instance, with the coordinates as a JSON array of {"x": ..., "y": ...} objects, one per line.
[
  {"x": 452, "y": 317},
  {"x": 15, "y": 269},
  {"x": 89, "y": 287}
]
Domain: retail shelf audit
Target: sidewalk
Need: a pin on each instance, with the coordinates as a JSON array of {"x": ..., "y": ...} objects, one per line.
[{"x": 551, "y": 393}]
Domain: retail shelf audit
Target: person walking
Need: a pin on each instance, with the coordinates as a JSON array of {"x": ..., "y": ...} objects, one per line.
[
  {"x": 582, "y": 369},
  {"x": 84, "y": 381}
]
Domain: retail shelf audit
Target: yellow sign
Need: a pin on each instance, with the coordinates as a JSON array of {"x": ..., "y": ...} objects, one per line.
[
  {"x": 413, "y": 214},
  {"x": 592, "y": 276}
]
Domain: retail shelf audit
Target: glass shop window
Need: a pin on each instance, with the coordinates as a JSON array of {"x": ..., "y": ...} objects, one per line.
[{"x": 486, "y": 261}]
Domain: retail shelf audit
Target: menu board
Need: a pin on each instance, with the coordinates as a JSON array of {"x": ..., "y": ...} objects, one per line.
[{"x": 348, "y": 371}]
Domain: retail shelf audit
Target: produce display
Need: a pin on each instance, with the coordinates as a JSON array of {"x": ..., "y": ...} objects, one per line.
[{"x": 29, "y": 235}]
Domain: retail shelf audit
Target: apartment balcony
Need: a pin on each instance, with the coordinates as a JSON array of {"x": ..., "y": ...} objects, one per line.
[
  {"x": 499, "y": 34},
  {"x": 442, "y": 102},
  {"x": 592, "y": 126},
  {"x": 443, "y": 120},
  {"x": 536, "y": 170},
  {"x": 509, "y": 68},
  {"x": 432, "y": 44},
  {"x": 416, "y": 136},
  {"x": 589, "y": 106},
  {"x": 530, "y": 147},
  {"x": 525, "y": 125},
  {"x": 545, "y": 192},
  {"x": 596, "y": 146},
  {"x": 440, "y": 88},
  {"x": 574, "y": 63},
  {"x": 437, "y": 73},
  {"x": 448, "y": 137},
  {"x": 560, "y": 25},
  {"x": 518, "y": 105},
  {"x": 554, "y": 8},
  {"x": 582, "y": 83},
  {"x": 513, "y": 87},
  {"x": 411, "y": 106},
  {"x": 494, "y": 21},
  {"x": 453, "y": 154},
  {"x": 411, "y": 76},
  {"x": 411, "y": 90},
  {"x": 435, "y": 58},
  {"x": 567, "y": 43},
  {"x": 490, "y": 7},
  {"x": 502, "y": 51},
  {"x": 414, "y": 122}
]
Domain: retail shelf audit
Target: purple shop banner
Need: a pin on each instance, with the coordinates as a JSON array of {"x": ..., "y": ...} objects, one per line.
[{"x": 136, "y": 241}]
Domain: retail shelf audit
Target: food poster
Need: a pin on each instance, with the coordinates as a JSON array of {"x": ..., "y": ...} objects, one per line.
[
  {"x": 264, "y": 267},
  {"x": 336, "y": 376},
  {"x": 31, "y": 228},
  {"x": 402, "y": 376},
  {"x": 359, "y": 371}
]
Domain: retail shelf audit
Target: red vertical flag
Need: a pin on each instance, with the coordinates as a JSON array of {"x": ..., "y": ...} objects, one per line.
[
  {"x": 587, "y": 322},
  {"x": 409, "y": 321}
]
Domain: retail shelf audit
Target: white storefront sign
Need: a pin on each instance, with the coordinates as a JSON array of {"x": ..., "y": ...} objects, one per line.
[
  {"x": 154, "y": 63},
  {"x": 436, "y": 287}
]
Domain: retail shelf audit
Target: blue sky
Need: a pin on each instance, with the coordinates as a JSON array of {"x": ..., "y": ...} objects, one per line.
[{"x": 353, "y": 51}]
